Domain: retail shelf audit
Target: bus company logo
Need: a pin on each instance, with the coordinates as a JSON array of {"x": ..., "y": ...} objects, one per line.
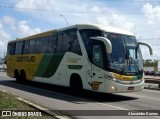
[
  {"x": 26, "y": 59},
  {"x": 73, "y": 60},
  {"x": 95, "y": 85},
  {"x": 6, "y": 113}
]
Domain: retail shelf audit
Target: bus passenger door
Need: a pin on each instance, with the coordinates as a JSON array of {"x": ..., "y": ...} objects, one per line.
[{"x": 97, "y": 67}]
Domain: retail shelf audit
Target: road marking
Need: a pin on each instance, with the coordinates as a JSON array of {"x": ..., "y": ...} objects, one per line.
[
  {"x": 61, "y": 117},
  {"x": 112, "y": 106}
]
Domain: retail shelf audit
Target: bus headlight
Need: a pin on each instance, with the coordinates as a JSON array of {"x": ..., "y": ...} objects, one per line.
[
  {"x": 115, "y": 80},
  {"x": 114, "y": 88}
]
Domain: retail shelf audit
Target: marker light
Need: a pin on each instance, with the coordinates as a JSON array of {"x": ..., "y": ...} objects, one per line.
[{"x": 114, "y": 88}]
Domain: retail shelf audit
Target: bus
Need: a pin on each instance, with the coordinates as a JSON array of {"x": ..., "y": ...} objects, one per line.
[{"x": 82, "y": 56}]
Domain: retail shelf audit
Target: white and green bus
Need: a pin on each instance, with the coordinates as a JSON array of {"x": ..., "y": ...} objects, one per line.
[{"x": 83, "y": 56}]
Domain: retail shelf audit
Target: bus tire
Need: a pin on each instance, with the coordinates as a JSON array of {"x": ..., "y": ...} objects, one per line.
[
  {"x": 22, "y": 76},
  {"x": 17, "y": 76},
  {"x": 76, "y": 83}
]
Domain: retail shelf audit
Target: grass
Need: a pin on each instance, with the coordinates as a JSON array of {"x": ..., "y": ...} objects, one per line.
[{"x": 10, "y": 102}]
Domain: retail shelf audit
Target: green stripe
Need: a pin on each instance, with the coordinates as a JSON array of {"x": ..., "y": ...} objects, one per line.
[
  {"x": 49, "y": 65},
  {"x": 137, "y": 77}
]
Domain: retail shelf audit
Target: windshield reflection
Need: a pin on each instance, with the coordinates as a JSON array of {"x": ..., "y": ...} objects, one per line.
[{"x": 125, "y": 56}]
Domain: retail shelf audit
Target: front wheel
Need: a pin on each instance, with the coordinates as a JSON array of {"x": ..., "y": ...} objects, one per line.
[{"x": 76, "y": 84}]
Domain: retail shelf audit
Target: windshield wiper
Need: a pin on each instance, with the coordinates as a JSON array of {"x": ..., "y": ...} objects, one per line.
[
  {"x": 129, "y": 61},
  {"x": 126, "y": 58},
  {"x": 133, "y": 62}
]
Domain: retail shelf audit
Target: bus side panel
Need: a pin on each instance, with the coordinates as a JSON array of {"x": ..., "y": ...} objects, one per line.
[
  {"x": 10, "y": 66},
  {"x": 49, "y": 65},
  {"x": 28, "y": 63}
]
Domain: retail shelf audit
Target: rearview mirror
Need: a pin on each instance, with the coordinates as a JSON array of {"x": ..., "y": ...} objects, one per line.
[
  {"x": 107, "y": 43},
  {"x": 145, "y": 44}
]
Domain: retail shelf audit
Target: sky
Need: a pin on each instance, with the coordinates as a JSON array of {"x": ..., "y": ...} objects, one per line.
[{"x": 21, "y": 18}]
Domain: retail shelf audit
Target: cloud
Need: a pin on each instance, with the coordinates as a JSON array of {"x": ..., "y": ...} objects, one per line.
[
  {"x": 152, "y": 13},
  {"x": 4, "y": 38},
  {"x": 10, "y": 21},
  {"x": 3, "y": 34},
  {"x": 116, "y": 20},
  {"x": 35, "y": 4},
  {"x": 18, "y": 29},
  {"x": 25, "y": 30}
]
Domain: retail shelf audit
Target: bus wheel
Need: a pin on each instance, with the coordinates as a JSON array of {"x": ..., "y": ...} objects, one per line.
[
  {"x": 76, "y": 83},
  {"x": 17, "y": 76},
  {"x": 22, "y": 76}
]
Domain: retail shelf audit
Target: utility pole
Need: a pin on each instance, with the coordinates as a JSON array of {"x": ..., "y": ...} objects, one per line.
[{"x": 64, "y": 18}]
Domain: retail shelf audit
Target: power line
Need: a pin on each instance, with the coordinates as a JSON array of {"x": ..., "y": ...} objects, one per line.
[
  {"x": 104, "y": 0},
  {"x": 129, "y": 0},
  {"x": 73, "y": 12}
]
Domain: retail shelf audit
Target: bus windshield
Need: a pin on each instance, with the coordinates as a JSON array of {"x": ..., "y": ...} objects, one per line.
[{"x": 126, "y": 56}]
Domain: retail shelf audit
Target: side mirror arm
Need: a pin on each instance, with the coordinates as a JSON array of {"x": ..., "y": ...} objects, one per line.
[
  {"x": 107, "y": 43},
  {"x": 145, "y": 44}
]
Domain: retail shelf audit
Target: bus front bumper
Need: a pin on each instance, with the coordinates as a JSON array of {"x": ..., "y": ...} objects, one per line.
[{"x": 115, "y": 87}]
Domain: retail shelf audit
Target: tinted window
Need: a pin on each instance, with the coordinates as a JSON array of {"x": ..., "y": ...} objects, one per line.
[
  {"x": 97, "y": 56},
  {"x": 26, "y": 47},
  {"x": 51, "y": 44},
  {"x": 13, "y": 48},
  {"x": 85, "y": 35},
  {"x": 75, "y": 47},
  {"x": 59, "y": 44},
  {"x": 68, "y": 41},
  {"x": 18, "y": 49},
  {"x": 42, "y": 45},
  {"x": 32, "y": 46},
  {"x": 9, "y": 48},
  {"x": 118, "y": 47}
]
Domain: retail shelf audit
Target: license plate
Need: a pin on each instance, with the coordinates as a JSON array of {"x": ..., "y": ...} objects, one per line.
[{"x": 130, "y": 88}]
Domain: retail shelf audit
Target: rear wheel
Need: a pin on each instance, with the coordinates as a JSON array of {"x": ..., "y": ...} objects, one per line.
[
  {"x": 17, "y": 76},
  {"x": 23, "y": 76}
]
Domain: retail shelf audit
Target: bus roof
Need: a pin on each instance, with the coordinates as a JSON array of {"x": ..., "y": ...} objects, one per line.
[
  {"x": 107, "y": 28},
  {"x": 110, "y": 29}
]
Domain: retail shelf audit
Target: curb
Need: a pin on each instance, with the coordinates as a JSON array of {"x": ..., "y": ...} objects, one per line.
[{"x": 51, "y": 113}]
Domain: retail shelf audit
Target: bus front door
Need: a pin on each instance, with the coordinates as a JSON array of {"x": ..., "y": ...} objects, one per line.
[{"x": 97, "y": 71}]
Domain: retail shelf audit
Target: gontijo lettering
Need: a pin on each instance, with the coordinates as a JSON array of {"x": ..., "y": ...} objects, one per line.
[{"x": 26, "y": 59}]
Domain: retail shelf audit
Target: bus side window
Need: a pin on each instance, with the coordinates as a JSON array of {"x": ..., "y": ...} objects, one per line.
[
  {"x": 32, "y": 46},
  {"x": 59, "y": 43},
  {"x": 66, "y": 41},
  {"x": 26, "y": 47},
  {"x": 13, "y": 48},
  {"x": 75, "y": 47},
  {"x": 43, "y": 44},
  {"x": 52, "y": 44},
  {"x": 97, "y": 55},
  {"x": 9, "y": 48},
  {"x": 18, "y": 49}
]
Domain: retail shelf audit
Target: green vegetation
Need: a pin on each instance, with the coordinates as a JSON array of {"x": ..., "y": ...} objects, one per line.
[
  {"x": 9, "y": 102},
  {"x": 151, "y": 63}
]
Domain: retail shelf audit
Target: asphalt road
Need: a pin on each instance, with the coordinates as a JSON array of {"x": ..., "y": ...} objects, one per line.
[{"x": 61, "y": 98}]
